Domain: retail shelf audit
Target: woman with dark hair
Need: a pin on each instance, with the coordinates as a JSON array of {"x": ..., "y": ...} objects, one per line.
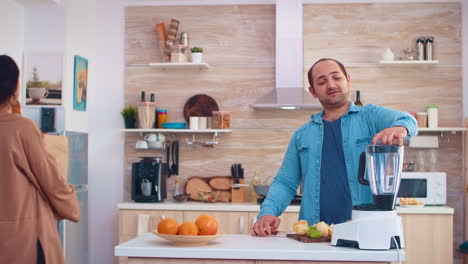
[{"x": 33, "y": 194}]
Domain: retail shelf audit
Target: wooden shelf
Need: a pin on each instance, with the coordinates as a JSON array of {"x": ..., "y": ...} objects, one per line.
[
  {"x": 408, "y": 62},
  {"x": 164, "y": 130},
  {"x": 442, "y": 129},
  {"x": 173, "y": 65}
]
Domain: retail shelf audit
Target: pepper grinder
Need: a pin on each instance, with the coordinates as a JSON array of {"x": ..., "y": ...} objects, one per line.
[
  {"x": 420, "y": 47},
  {"x": 429, "y": 47}
]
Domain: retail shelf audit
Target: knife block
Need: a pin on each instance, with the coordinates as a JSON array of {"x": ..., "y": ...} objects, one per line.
[{"x": 238, "y": 195}]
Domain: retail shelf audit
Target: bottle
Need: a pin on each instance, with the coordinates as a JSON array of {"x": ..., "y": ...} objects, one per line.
[
  {"x": 152, "y": 97},
  {"x": 184, "y": 39},
  {"x": 429, "y": 46},
  {"x": 255, "y": 181},
  {"x": 358, "y": 98},
  {"x": 420, "y": 47},
  {"x": 142, "y": 96}
]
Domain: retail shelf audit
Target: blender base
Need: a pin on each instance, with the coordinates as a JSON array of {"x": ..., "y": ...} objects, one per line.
[{"x": 370, "y": 230}]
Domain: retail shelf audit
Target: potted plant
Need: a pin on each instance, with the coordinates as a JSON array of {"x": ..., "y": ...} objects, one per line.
[
  {"x": 197, "y": 54},
  {"x": 36, "y": 88},
  {"x": 129, "y": 116}
]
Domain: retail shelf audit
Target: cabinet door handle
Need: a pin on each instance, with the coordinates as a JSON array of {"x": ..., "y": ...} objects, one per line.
[{"x": 241, "y": 224}]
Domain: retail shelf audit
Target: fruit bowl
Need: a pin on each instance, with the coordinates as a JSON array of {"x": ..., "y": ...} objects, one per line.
[
  {"x": 189, "y": 240},
  {"x": 261, "y": 190}
]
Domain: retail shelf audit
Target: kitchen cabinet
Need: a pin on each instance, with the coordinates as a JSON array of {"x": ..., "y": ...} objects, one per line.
[
  {"x": 286, "y": 220},
  {"x": 428, "y": 238},
  {"x": 228, "y": 222},
  {"x": 428, "y": 230}
]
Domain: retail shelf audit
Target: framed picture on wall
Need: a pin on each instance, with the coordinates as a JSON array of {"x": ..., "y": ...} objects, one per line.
[
  {"x": 80, "y": 83},
  {"x": 42, "y": 79}
]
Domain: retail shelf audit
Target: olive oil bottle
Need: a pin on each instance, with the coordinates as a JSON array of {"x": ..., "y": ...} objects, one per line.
[{"x": 358, "y": 98}]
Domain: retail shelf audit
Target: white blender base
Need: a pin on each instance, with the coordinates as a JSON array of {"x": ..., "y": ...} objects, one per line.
[{"x": 372, "y": 230}]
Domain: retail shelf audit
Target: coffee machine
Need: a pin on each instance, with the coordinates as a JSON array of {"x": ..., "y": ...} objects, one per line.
[
  {"x": 375, "y": 226},
  {"x": 149, "y": 180}
]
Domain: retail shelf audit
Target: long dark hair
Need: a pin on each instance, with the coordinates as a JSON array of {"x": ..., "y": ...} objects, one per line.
[{"x": 9, "y": 77}]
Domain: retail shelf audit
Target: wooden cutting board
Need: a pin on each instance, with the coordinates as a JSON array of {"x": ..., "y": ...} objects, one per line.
[
  {"x": 200, "y": 105},
  {"x": 305, "y": 239}
]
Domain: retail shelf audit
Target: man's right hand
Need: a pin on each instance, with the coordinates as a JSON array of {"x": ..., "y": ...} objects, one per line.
[{"x": 266, "y": 225}]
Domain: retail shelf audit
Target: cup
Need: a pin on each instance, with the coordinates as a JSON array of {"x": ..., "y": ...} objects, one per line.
[
  {"x": 151, "y": 137},
  {"x": 193, "y": 120},
  {"x": 202, "y": 122},
  {"x": 141, "y": 144},
  {"x": 37, "y": 93},
  {"x": 146, "y": 187},
  {"x": 421, "y": 117}
]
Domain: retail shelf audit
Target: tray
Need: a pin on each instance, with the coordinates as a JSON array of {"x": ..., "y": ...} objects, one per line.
[
  {"x": 305, "y": 239},
  {"x": 199, "y": 105}
]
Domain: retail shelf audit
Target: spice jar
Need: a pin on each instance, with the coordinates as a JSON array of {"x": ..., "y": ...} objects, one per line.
[
  {"x": 221, "y": 120},
  {"x": 178, "y": 53},
  {"x": 421, "y": 117},
  {"x": 162, "y": 117}
]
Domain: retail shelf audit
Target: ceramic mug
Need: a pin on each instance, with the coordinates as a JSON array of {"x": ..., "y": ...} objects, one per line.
[
  {"x": 151, "y": 137},
  {"x": 37, "y": 93},
  {"x": 141, "y": 144}
]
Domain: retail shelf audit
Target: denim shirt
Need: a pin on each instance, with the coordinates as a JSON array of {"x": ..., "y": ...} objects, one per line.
[{"x": 302, "y": 160}]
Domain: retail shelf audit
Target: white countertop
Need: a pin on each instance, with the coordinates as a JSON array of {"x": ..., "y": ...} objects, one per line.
[
  {"x": 248, "y": 247},
  {"x": 252, "y": 207}
]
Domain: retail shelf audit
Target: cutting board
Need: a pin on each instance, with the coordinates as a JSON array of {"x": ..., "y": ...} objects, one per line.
[
  {"x": 199, "y": 105},
  {"x": 305, "y": 239}
]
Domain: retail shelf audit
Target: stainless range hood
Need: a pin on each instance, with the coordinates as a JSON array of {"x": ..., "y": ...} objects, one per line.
[{"x": 289, "y": 90}]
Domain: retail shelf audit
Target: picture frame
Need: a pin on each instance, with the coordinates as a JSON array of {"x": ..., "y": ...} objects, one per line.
[
  {"x": 42, "y": 80},
  {"x": 80, "y": 83}
]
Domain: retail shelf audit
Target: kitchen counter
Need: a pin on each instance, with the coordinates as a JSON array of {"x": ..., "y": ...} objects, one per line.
[
  {"x": 252, "y": 207},
  {"x": 149, "y": 248}
]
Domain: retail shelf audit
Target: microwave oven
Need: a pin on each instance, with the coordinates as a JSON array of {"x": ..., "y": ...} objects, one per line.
[{"x": 428, "y": 187}]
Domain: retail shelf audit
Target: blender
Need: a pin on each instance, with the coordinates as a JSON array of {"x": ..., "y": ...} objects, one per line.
[{"x": 375, "y": 226}]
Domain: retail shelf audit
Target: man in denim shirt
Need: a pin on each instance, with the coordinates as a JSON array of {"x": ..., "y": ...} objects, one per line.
[{"x": 324, "y": 153}]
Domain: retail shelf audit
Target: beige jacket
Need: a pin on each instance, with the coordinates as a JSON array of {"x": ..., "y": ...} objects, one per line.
[{"x": 32, "y": 194}]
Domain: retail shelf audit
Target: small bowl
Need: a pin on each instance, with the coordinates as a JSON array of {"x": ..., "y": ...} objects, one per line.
[
  {"x": 174, "y": 125},
  {"x": 261, "y": 190},
  {"x": 180, "y": 197}
]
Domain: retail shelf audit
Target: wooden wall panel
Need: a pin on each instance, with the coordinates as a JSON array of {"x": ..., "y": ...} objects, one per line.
[
  {"x": 228, "y": 34},
  {"x": 359, "y": 33}
]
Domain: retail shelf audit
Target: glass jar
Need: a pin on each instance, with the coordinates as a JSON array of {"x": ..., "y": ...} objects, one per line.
[
  {"x": 221, "y": 120},
  {"x": 179, "y": 53}
]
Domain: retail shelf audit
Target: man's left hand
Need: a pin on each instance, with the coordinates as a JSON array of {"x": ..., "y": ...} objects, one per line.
[{"x": 391, "y": 135}]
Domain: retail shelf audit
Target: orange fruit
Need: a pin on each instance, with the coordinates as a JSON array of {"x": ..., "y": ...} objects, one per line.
[
  {"x": 207, "y": 225},
  {"x": 188, "y": 229},
  {"x": 168, "y": 226}
]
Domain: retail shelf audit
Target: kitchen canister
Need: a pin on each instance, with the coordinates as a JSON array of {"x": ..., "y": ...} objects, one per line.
[
  {"x": 193, "y": 120},
  {"x": 202, "y": 122},
  {"x": 162, "y": 117},
  {"x": 432, "y": 116},
  {"x": 421, "y": 118}
]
